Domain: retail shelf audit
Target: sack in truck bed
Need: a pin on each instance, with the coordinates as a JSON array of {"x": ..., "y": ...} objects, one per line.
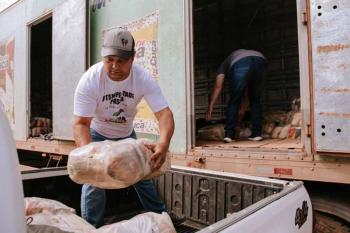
[{"x": 53, "y": 216}]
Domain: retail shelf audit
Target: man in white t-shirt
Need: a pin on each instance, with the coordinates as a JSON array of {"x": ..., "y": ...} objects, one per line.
[{"x": 105, "y": 103}]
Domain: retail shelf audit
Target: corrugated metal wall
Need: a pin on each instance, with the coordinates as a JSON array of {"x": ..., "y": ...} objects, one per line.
[
  {"x": 207, "y": 199},
  {"x": 269, "y": 26}
]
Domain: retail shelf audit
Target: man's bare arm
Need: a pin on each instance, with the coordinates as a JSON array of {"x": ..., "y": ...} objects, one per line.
[
  {"x": 166, "y": 127},
  {"x": 215, "y": 94},
  {"x": 81, "y": 130}
]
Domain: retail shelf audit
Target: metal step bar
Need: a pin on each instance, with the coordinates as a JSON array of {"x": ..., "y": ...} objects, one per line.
[{"x": 44, "y": 173}]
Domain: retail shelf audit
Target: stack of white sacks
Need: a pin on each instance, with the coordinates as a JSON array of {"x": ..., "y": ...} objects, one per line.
[
  {"x": 284, "y": 125},
  {"x": 45, "y": 212}
]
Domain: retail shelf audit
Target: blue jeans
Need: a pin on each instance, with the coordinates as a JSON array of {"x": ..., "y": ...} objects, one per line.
[
  {"x": 248, "y": 73},
  {"x": 93, "y": 199}
]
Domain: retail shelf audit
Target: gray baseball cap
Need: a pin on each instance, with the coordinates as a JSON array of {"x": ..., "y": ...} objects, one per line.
[{"x": 118, "y": 42}]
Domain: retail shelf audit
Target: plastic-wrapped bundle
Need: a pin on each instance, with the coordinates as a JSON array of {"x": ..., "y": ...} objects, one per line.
[
  {"x": 44, "y": 229},
  {"x": 245, "y": 132},
  {"x": 268, "y": 127},
  {"x": 36, "y": 205},
  {"x": 63, "y": 220},
  {"x": 296, "y": 120},
  {"x": 46, "y": 212},
  {"x": 113, "y": 164},
  {"x": 52, "y": 216},
  {"x": 284, "y": 132},
  {"x": 276, "y": 132},
  {"x": 212, "y": 132},
  {"x": 146, "y": 223}
]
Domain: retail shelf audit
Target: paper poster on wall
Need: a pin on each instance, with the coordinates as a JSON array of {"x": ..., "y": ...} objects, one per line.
[
  {"x": 7, "y": 78},
  {"x": 145, "y": 33}
]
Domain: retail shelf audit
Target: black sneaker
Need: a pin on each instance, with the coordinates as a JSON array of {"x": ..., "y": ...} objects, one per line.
[{"x": 176, "y": 219}]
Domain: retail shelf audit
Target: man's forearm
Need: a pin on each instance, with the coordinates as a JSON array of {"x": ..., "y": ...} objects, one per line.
[
  {"x": 214, "y": 96},
  {"x": 81, "y": 134},
  {"x": 217, "y": 89},
  {"x": 166, "y": 127}
]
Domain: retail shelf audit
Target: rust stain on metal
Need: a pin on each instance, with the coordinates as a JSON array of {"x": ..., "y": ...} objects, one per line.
[
  {"x": 334, "y": 114},
  {"x": 341, "y": 66},
  {"x": 332, "y": 48},
  {"x": 336, "y": 90},
  {"x": 283, "y": 171},
  {"x": 344, "y": 66},
  {"x": 324, "y": 67}
]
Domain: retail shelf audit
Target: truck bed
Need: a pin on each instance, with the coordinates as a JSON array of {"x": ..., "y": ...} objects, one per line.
[{"x": 205, "y": 197}]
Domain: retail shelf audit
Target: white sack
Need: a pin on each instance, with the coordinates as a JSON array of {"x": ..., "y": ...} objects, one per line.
[
  {"x": 276, "y": 132},
  {"x": 284, "y": 132},
  {"x": 113, "y": 164},
  {"x": 34, "y": 205},
  {"x": 63, "y": 220},
  {"x": 268, "y": 127},
  {"x": 279, "y": 117},
  {"x": 296, "y": 119},
  {"x": 55, "y": 214},
  {"x": 145, "y": 223},
  {"x": 245, "y": 133}
]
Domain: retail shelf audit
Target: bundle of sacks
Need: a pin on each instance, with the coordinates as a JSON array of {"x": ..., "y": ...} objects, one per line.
[
  {"x": 40, "y": 125},
  {"x": 283, "y": 124},
  {"x": 45, "y": 215},
  {"x": 113, "y": 164},
  {"x": 49, "y": 214},
  {"x": 214, "y": 132},
  {"x": 278, "y": 124}
]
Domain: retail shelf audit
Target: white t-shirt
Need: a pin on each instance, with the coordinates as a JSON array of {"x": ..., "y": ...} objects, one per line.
[{"x": 112, "y": 104}]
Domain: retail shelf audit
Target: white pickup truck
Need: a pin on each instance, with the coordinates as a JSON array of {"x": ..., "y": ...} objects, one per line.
[{"x": 210, "y": 201}]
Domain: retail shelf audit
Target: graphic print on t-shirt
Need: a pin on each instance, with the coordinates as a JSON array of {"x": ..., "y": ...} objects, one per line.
[{"x": 115, "y": 105}]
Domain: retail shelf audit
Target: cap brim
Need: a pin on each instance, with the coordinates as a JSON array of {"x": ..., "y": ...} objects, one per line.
[{"x": 116, "y": 52}]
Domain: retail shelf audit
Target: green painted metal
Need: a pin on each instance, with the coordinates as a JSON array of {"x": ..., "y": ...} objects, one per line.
[{"x": 171, "y": 49}]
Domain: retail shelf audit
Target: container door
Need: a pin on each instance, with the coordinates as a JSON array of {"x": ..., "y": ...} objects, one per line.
[
  {"x": 330, "y": 38},
  {"x": 69, "y": 55}
]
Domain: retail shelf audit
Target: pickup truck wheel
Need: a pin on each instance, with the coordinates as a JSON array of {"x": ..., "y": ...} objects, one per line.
[{"x": 326, "y": 223}]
